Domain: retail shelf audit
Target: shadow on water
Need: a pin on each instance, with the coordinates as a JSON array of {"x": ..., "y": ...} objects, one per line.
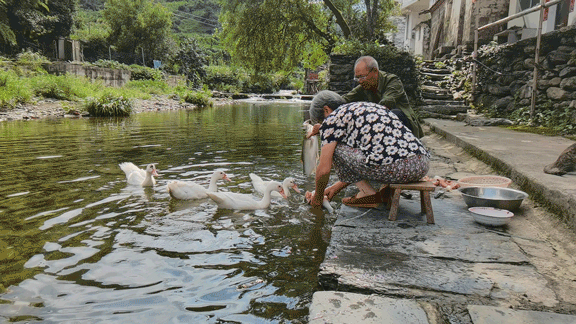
[{"x": 79, "y": 244}]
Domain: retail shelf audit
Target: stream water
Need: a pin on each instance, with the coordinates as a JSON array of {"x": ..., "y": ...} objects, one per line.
[{"x": 79, "y": 245}]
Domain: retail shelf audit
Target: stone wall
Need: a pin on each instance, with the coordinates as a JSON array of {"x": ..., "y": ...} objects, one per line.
[
  {"x": 512, "y": 88},
  {"x": 110, "y": 77}
]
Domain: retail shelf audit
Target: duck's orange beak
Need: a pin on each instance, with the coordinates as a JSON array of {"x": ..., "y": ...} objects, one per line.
[
  {"x": 295, "y": 187},
  {"x": 282, "y": 193}
]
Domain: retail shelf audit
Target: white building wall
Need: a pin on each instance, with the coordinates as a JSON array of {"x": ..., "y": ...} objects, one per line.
[
  {"x": 419, "y": 41},
  {"x": 572, "y": 18},
  {"x": 531, "y": 20},
  {"x": 410, "y": 41}
]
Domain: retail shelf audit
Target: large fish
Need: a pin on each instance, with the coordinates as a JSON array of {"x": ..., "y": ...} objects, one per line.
[{"x": 309, "y": 150}]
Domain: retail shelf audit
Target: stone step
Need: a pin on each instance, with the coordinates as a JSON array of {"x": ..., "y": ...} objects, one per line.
[
  {"x": 434, "y": 95},
  {"x": 432, "y": 83},
  {"x": 426, "y": 114},
  {"x": 434, "y": 89},
  {"x": 432, "y": 102},
  {"x": 434, "y": 76},
  {"x": 444, "y": 110},
  {"x": 435, "y": 70}
]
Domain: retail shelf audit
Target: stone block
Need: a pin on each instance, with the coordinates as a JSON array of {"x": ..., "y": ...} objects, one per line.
[
  {"x": 525, "y": 92},
  {"x": 554, "y": 82},
  {"x": 502, "y": 315},
  {"x": 529, "y": 49},
  {"x": 565, "y": 49},
  {"x": 543, "y": 84},
  {"x": 498, "y": 90},
  {"x": 568, "y": 83},
  {"x": 557, "y": 57},
  {"x": 556, "y": 94},
  {"x": 567, "y": 72},
  {"x": 572, "y": 62},
  {"x": 529, "y": 63},
  {"x": 346, "y": 69},
  {"x": 503, "y": 103},
  {"x": 524, "y": 102}
]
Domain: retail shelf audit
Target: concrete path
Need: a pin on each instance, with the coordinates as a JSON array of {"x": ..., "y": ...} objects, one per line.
[
  {"x": 457, "y": 270},
  {"x": 520, "y": 157}
]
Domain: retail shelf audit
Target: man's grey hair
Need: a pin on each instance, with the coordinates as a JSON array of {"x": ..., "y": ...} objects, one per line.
[
  {"x": 370, "y": 62},
  {"x": 321, "y": 99}
]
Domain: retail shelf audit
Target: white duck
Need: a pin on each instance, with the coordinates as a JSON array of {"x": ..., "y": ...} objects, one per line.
[
  {"x": 191, "y": 190},
  {"x": 230, "y": 200},
  {"x": 137, "y": 176},
  {"x": 260, "y": 185}
]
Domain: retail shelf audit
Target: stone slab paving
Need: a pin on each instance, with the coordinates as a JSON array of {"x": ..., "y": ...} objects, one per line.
[
  {"x": 339, "y": 307},
  {"x": 501, "y": 315},
  {"x": 410, "y": 258}
]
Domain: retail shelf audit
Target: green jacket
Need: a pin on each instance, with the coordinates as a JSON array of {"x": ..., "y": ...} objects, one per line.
[{"x": 390, "y": 94}]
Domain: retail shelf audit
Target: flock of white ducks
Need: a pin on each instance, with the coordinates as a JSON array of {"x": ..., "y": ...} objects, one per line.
[{"x": 186, "y": 190}]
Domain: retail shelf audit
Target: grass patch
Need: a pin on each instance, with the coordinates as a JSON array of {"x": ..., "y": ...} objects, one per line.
[
  {"x": 13, "y": 90},
  {"x": 535, "y": 130},
  {"x": 199, "y": 98},
  {"x": 109, "y": 106}
]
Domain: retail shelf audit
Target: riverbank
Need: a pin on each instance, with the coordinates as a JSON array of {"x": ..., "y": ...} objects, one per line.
[{"x": 53, "y": 108}]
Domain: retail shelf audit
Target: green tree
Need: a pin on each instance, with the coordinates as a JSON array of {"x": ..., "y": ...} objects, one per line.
[
  {"x": 137, "y": 25},
  {"x": 34, "y": 23},
  {"x": 273, "y": 35},
  {"x": 277, "y": 35}
]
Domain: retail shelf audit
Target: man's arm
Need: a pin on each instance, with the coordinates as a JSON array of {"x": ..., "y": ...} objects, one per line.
[
  {"x": 354, "y": 95},
  {"x": 393, "y": 92}
]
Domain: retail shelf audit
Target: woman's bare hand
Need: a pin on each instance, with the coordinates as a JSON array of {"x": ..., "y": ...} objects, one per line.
[{"x": 315, "y": 131}]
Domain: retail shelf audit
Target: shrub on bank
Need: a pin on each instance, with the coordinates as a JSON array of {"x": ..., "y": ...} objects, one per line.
[
  {"x": 109, "y": 106},
  {"x": 199, "y": 98}
]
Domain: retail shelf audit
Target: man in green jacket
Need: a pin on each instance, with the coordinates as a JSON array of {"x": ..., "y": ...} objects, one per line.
[{"x": 384, "y": 89}]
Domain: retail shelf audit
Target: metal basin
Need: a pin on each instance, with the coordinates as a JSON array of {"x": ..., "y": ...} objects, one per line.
[{"x": 503, "y": 198}]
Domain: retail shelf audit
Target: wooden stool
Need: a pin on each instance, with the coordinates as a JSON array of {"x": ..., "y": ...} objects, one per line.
[{"x": 425, "y": 204}]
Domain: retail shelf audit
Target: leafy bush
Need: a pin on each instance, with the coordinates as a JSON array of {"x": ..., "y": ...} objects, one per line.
[
  {"x": 111, "y": 65},
  {"x": 139, "y": 72},
  {"x": 148, "y": 86},
  {"x": 31, "y": 58},
  {"x": 190, "y": 60},
  {"x": 13, "y": 90},
  {"x": 109, "y": 106},
  {"x": 199, "y": 98},
  {"x": 58, "y": 87},
  {"x": 226, "y": 78}
]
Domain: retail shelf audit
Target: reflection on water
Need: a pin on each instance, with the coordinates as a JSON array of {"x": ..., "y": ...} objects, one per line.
[{"x": 80, "y": 245}]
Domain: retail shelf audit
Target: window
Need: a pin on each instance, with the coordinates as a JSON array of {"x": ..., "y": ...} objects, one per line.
[{"x": 525, "y": 4}]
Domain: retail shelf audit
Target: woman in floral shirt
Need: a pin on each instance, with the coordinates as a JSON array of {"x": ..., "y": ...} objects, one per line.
[{"x": 364, "y": 142}]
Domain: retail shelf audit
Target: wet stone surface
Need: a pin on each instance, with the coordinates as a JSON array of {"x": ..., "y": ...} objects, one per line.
[{"x": 453, "y": 263}]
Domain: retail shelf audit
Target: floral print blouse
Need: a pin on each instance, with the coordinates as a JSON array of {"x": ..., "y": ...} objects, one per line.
[{"x": 374, "y": 130}]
